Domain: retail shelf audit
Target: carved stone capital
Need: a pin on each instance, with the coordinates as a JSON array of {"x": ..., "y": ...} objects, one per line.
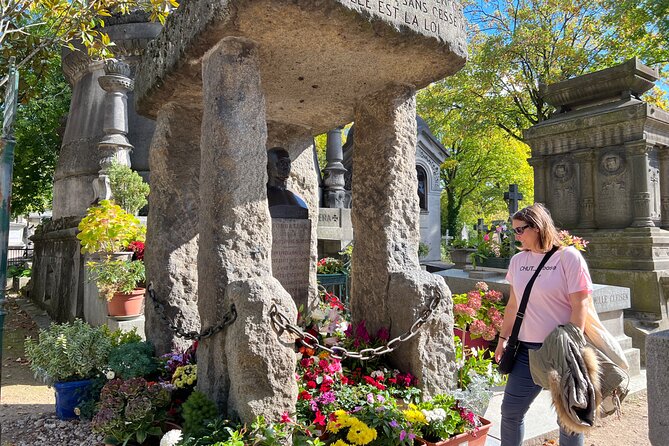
[{"x": 116, "y": 83}]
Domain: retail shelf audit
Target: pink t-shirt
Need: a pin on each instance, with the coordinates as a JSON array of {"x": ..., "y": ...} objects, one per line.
[{"x": 565, "y": 272}]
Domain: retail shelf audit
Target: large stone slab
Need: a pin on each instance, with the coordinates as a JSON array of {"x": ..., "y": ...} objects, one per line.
[
  {"x": 657, "y": 358},
  {"x": 314, "y": 54},
  {"x": 291, "y": 257}
]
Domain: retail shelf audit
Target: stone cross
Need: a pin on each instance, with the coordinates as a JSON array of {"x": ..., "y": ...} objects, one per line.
[
  {"x": 480, "y": 227},
  {"x": 512, "y": 197}
]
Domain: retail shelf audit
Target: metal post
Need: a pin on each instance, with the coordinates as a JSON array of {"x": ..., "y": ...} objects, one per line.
[{"x": 6, "y": 168}]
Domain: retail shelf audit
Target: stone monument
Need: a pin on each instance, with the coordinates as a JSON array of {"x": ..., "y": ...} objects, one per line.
[
  {"x": 601, "y": 165},
  {"x": 291, "y": 229},
  {"x": 58, "y": 278},
  {"x": 255, "y": 74}
]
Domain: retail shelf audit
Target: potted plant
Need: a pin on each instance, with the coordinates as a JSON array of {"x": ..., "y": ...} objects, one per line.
[
  {"x": 115, "y": 237},
  {"x": 128, "y": 188},
  {"x": 460, "y": 251},
  {"x": 67, "y": 356},
  {"x": 131, "y": 410},
  {"x": 478, "y": 314}
]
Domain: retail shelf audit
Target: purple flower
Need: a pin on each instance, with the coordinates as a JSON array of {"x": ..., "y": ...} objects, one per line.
[
  {"x": 380, "y": 398},
  {"x": 403, "y": 435},
  {"x": 393, "y": 423},
  {"x": 327, "y": 398},
  {"x": 370, "y": 398}
]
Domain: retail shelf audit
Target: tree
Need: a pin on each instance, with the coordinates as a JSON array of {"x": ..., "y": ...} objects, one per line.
[
  {"x": 29, "y": 27},
  {"x": 37, "y": 133}
]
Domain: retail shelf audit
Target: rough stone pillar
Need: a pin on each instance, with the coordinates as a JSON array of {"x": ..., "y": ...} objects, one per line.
[
  {"x": 335, "y": 194},
  {"x": 664, "y": 187},
  {"x": 657, "y": 358},
  {"x": 172, "y": 225},
  {"x": 586, "y": 178},
  {"x": 388, "y": 287},
  {"x": 247, "y": 369},
  {"x": 385, "y": 215},
  {"x": 299, "y": 143},
  {"x": 641, "y": 195}
]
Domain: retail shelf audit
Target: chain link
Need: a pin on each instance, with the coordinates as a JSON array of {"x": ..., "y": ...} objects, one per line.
[
  {"x": 282, "y": 323},
  {"x": 228, "y": 318}
]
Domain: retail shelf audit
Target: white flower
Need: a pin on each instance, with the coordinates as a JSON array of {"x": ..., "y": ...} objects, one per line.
[
  {"x": 318, "y": 315},
  {"x": 377, "y": 374},
  {"x": 110, "y": 374},
  {"x": 171, "y": 438}
]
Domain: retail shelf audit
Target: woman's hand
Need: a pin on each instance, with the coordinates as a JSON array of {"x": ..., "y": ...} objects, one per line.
[{"x": 501, "y": 345}]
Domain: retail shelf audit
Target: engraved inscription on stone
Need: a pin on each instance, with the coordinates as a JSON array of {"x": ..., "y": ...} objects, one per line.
[
  {"x": 611, "y": 298},
  {"x": 291, "y": 253},
  {"x": 439, "y": 18},
  {"x": 329, "y": 217}
]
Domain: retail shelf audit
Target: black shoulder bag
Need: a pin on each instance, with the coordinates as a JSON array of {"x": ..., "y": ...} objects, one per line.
[{"x": 509, "y": 356}]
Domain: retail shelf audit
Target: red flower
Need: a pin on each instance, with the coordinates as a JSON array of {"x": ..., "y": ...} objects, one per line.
[
  {"x": 137, "y": 249},
  {"x": 311, "y": 384},
  {"x": 320, "y": 418},
  {"x": 304, "y": 395},
  {"x": 285, "y": 418}
]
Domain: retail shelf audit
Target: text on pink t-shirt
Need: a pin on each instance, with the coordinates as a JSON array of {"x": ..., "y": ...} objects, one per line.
[{"x": 565, "y": 272}]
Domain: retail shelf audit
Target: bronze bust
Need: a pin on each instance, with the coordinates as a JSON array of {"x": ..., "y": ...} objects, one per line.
[{"x": 282, "y": 202}]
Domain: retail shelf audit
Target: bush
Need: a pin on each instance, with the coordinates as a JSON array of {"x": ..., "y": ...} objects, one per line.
[
  {"x": 128, "y": 188},
  {"x": 197, "y": 412},
  {"x": 133, "y": 360},
  {"x": 423, "y": 249},
  {"x": 68, "y": 352},
  {"x": 18, "y": 271}
]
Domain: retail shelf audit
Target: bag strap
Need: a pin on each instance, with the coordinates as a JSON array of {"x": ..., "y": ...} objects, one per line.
[{"x": 513, "y": 338}]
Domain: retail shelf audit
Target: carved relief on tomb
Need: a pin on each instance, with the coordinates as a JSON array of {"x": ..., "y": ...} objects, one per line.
[
  {"x": 563, "y": 192},
  {"x": 612, "y": 190}
]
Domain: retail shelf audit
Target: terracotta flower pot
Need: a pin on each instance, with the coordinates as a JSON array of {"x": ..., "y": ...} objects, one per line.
[
  {"x": 477, "y": 438},
  {"x": 126, "y": 305},
  {"x": 468, "y": 342}
]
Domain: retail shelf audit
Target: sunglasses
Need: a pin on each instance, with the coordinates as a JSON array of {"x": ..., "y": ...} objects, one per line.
[{"x": 520, "y": 229}]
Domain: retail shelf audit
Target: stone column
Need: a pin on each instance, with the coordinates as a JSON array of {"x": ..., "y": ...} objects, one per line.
[
  {"x": 539, "y": 164},
  {"x": 334, "y": 171},
  {"x": 585, "y": 160},
  {"x": 115, "y": 145},
  {"x": 664, "y": 186},
  {"x": 247, "y": 368},
  {"x": 299, "y": 143},
  {"x": 657, "y": 355},
  {"x": 388, "y": 287},
  {"x": 641, "y": 196},
  {"x": 172, "y": 225}
]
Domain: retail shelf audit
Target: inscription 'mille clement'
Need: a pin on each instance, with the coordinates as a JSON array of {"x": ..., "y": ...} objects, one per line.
[{"x": 435, "y": 17}]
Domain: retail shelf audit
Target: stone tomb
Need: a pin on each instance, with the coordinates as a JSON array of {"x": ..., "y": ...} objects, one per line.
[
  {"x": 273, "y": 73},
  {"x": 601, "y": 165}
]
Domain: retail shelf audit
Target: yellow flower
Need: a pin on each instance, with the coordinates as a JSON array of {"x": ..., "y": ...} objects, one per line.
[
  {"x": 333, "y": 426},
  {"x": 340, "y": 443},
  {"x": 360, "y": 433},
  {"x": 415, "y": 416}
]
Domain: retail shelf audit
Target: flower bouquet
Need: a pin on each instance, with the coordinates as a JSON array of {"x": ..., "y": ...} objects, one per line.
[{"x": 480, "y": 312}]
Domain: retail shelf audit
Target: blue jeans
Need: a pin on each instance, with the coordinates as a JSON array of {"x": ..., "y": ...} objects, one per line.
[{"x": 519, "y": 393}]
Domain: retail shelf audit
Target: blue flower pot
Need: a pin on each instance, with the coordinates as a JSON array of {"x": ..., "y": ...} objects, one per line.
[{"x": 70, "y": 395}]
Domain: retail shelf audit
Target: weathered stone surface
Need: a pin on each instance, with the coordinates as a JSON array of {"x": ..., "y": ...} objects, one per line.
[
  {"x": 657, "y": 358},
  {"x": 261, "y": 365},
  {"x": 314, "y": 55},
  {"x": 299, "y": 143},
  {"x": 430, "y": 355},
  {"x": 235, "y": 227},
  {"x": 385, "y": 214},
  {"x": 291, "y": 257},
  {"x": 173, "y": 224}
]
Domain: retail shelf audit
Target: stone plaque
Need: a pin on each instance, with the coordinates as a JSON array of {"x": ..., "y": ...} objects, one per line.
[
  {"x": 610, "y": 298},
  {"x": 291, "y": 252}
]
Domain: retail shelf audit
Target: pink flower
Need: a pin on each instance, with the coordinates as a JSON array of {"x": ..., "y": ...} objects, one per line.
[
  {"x": 493, "y": 296},
  {"x": 285, "y": 418},
  {"x": 474, "y": 300},
  {"x": 486, "y": 238}
]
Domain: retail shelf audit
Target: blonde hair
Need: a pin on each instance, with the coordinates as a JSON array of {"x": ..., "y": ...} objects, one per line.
[{"x": 538, "y": 217}]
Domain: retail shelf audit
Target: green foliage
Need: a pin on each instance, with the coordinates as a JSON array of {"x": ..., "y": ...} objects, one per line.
[
  {"x": 128, "y": 188},
  {"x": 260, "y": 433},
  {"x": 330, "y": 265},
  {"x": 117, "y": 276},
  {"x": 197, "y": 411},
  {"x": 133, "y": 360},
  {"x": 18, "y": 271},
  {"x": 108, "y": 228},
  {"x": 423, "y": 249},
  {"x": 38, "y": 123},
  {"x": 131, "y": 410},
  {"x": 119, "y": 337},
  {"x": 445, "y": 419},
  {"x": 68, "y": 352}
]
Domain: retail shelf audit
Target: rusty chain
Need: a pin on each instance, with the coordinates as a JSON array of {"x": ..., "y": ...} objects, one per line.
[
  {"x": 281, "y": 323},
  {"x": 228, "y": 318}
]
